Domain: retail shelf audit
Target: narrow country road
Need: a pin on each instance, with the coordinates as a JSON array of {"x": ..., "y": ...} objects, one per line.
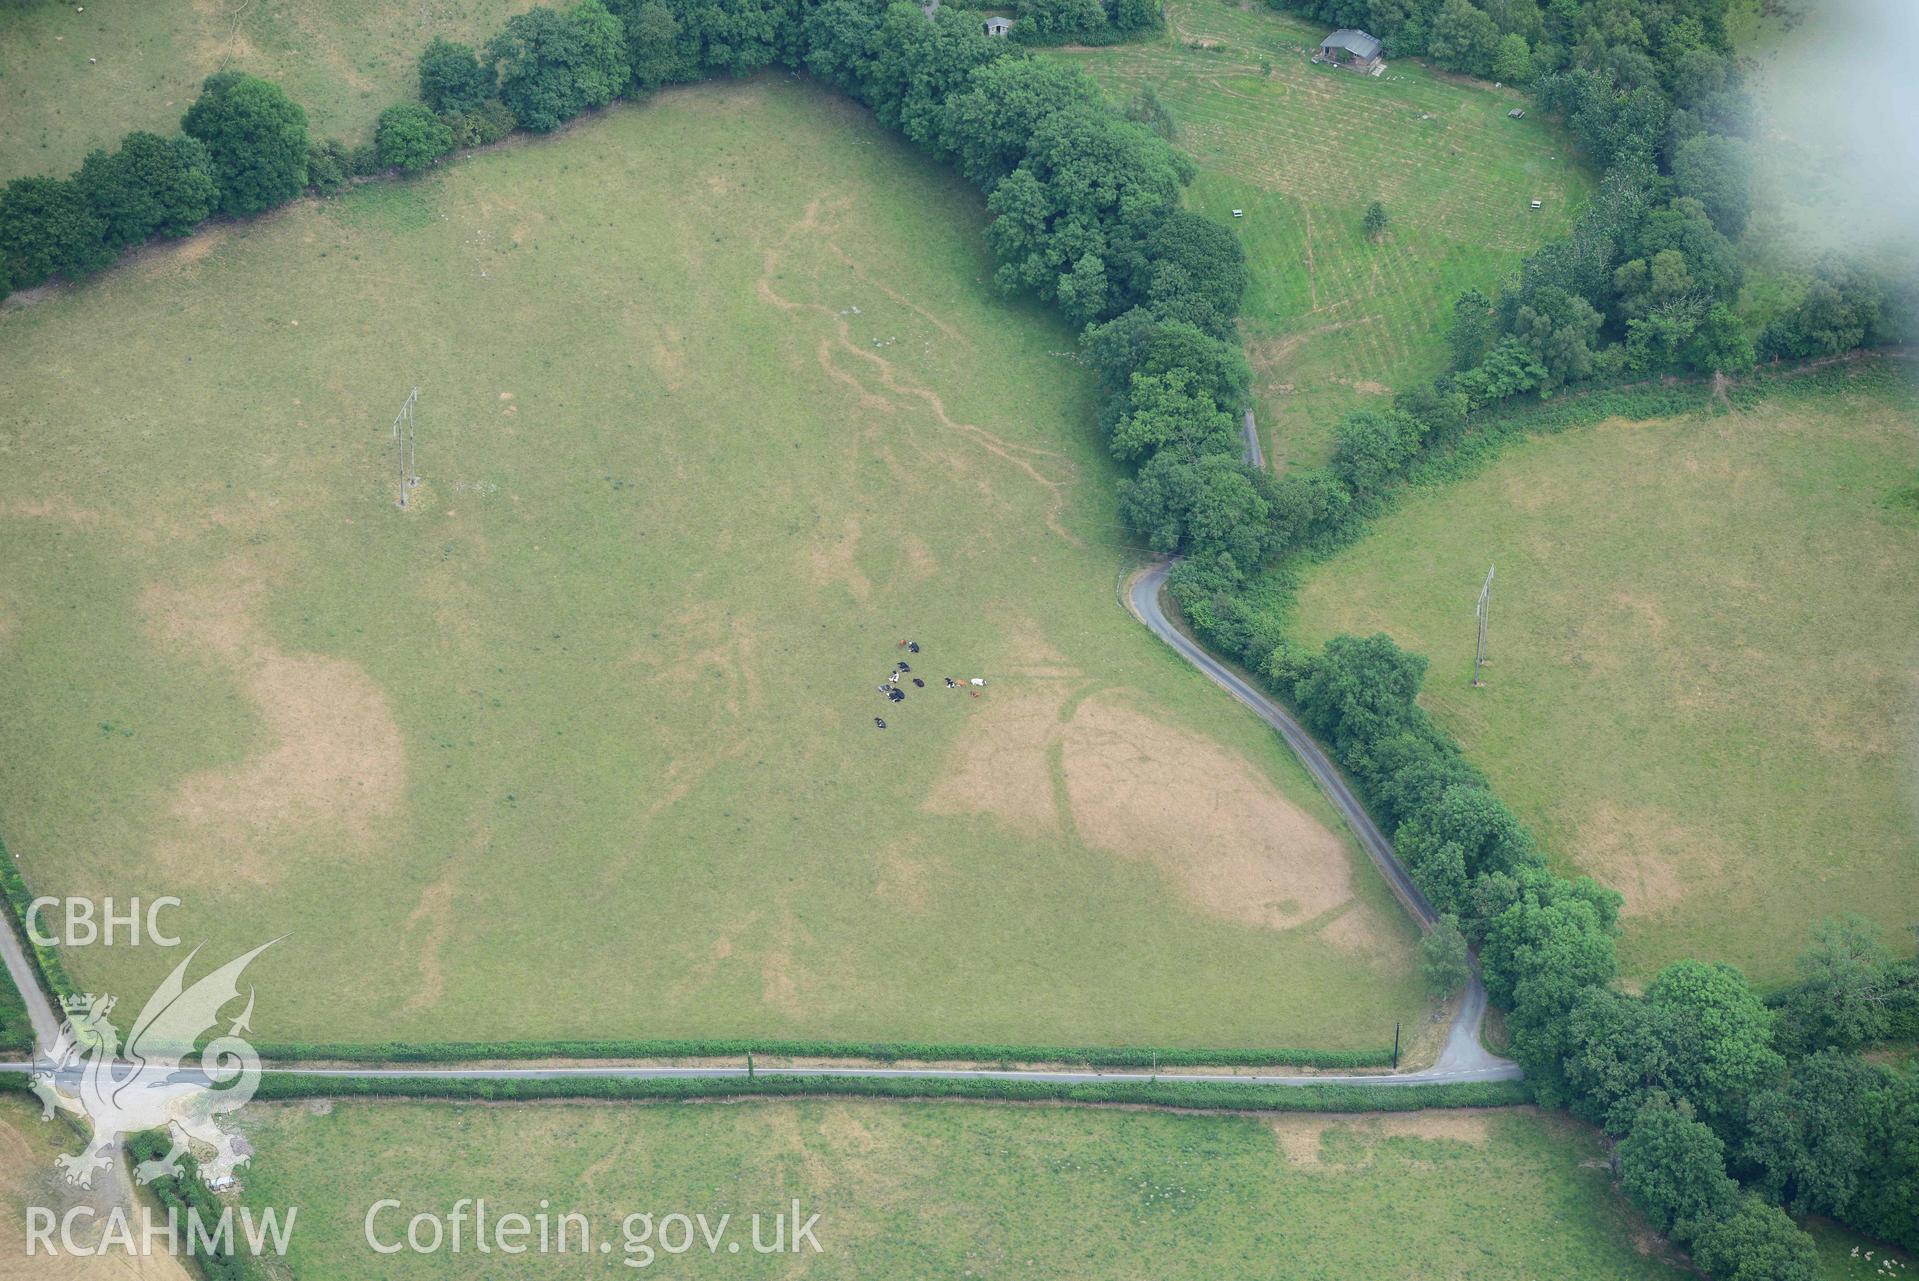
[
  {"x": 1141, "y": 595},
  {"x": 1464, "y": 1057},
  {"x": 1438, "y": 1074}
]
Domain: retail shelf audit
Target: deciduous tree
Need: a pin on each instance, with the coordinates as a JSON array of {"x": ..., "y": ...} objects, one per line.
[
  {"x": 1444, "y": 964},
  {"x": 256, "y": 141},
  {"x": 410, "y": 137},
  {"x": 553, "y": 66},
  {"x": 1727, "y": 1051},
  {"x": 47, "y": 227},
  {"x": 453, "y": 80},
  {"x": 1513, "y": 62},
  {"x": 1754, "y": 1242},
  {"x": 1717, "y": 172},
  {"x": 150, "y": 186},
  {"x": 1673, "y": 1169}
]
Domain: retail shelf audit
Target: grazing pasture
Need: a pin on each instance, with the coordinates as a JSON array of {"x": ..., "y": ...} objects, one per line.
[
  {"x": 73, "y": 78},
  {"x": 1336, "y": 319},
  {"x": 1705, "y": 643},
  {"x": 952, "y": 1190},
  {"x": 1846, "y": 1256},
  {"x": 718, "y": 404}
]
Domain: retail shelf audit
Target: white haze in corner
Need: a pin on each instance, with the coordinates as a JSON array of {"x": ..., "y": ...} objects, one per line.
[{"x": 1838, "y": 154}]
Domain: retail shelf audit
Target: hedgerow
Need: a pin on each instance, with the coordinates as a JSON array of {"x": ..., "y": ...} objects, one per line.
[
  {"x": 875, "y": 1051},
  {"x": 45, "y": 960},
  {"x": 185, "y": 1196},
  {"x": 1225, "y": 1094}
]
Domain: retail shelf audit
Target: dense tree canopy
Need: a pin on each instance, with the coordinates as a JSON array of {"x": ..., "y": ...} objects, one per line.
[
  {"x": 452, "y": 78},
  {"x": 1726, "y": 1051},
  {"x": 1444, "y": 960},
  {"x": 1464, "y": 832},
  {"x": 151, "y": 186},
  {"x": 1196, "y": 272},
  {"x": 1717, "y": 172},
  {"x": 653, "y": 52},
  {"x": 47, "y": 226},
  {"x": 410, "y": 137},
  {"x": 554, "y": 65},
  {"x": 1673, "y": 1169},
  {"x": 1843, "y": 998},
  {"x": 1463, "y": 38},
  {"x": 1805, "y": 1136},
  {"x": 1141, "y": 342},
  {"x": 1089, "y": 184},
  {"x": 1361, "y": 688},
  {"x": 987, "y": 126},
  {"x": 1754, "y": 1241},
  {"x": 1171, "y": 412},
  {"x": 256, "y": 141}
]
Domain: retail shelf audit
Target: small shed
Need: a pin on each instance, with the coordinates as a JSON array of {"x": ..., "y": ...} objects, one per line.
[
  {"x": 1349, "y": 48},
  {"x": 998, "y": 26}
]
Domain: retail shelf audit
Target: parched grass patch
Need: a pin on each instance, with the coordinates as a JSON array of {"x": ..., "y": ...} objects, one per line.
[
  {"x": 950, "y": 1190},
  {"x": 29, "y": 1177},
  {"x": 1334, "y": 320},
  {"x": 1705, "y": 644},
  {"x": 718, "y": 405},
  {"x": 73, "y": 78}
]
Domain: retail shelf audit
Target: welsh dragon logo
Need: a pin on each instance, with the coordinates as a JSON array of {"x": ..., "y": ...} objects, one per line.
[{"x": 145, "y": 1085}]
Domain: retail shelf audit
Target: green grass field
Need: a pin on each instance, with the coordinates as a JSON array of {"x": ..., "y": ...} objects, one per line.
[
  {"x": 717, "y": 404},
  {"x": 73, "y": 78},
  {"x": 1334, "y": 321},
  {"x": 1844, "y": 1256},
  {"x": 927, "y": 1190},
  {"x": 1705, "y": 635}
]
